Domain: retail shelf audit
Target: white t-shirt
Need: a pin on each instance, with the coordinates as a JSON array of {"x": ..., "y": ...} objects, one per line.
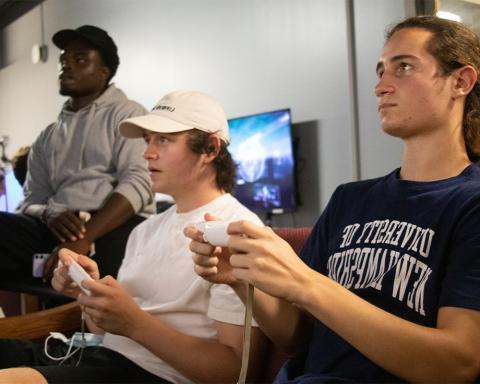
[{"x": 158, "y": 272}]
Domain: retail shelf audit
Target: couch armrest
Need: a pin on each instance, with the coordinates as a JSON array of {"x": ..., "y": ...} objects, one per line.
[{"x": 36, "y": 325}]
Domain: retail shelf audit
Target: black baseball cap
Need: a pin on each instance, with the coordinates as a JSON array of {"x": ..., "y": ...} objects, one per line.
[{"x": 95, "y": 36}]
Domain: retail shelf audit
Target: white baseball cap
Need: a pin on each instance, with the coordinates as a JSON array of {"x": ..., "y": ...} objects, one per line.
[{"x": 180, "y": 111}]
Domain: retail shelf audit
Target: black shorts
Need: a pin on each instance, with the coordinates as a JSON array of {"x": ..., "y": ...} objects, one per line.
[{"x": 97, "y": 364}]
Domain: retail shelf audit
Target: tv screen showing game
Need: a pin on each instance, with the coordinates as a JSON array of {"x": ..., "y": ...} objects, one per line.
[{"x": 261, "y": 146}]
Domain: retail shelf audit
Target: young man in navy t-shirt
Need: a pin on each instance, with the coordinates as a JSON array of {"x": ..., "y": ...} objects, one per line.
[{"x": 387, "y": 287}]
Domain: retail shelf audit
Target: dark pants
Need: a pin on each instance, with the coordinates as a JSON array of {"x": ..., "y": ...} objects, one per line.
[
  {"x": 97, "y": 364},
  {"x": 21, "y": 236}
]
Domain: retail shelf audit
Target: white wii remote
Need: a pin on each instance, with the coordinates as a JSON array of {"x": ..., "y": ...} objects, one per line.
[
  {"x": 78, "y": 274},
  {"x": 214, "y": 232}
]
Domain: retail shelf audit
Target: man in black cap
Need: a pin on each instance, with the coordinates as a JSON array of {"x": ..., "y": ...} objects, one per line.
[{"x": 80, "y": 167}]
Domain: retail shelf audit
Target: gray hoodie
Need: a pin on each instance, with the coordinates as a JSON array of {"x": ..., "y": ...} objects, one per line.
[{"x": 77, "y": 162}]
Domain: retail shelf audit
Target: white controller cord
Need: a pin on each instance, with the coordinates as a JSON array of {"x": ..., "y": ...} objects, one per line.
[
  {"x": 247, "y": 333},
  {"x": 69, "y": 353}
]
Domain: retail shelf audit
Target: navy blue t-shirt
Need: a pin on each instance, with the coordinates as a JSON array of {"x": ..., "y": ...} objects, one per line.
[{"x": 406, "y": 247}]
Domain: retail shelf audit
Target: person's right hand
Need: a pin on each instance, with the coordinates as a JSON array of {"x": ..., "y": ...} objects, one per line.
[
  {"x": 210, "y": 262},
  {"x": 66, "y": 226},
  {"x": 62, "y": 282}
]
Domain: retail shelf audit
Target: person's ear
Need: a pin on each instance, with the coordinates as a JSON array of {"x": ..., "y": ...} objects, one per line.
[
  {"x": 105, "y": 73},
  {"x": 213, "y": 148},
  {"x": 465, "y": 79}
]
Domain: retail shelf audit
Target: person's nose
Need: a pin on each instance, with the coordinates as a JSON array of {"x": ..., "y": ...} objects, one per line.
[
  {"x": 384, "y": 86},
  {"x": 66, "y": 65},
  {"x": 150, "y": 153}
]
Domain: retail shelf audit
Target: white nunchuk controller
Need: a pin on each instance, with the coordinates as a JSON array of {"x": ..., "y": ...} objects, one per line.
[
  {"x": 78, "y": 274},
  {"x": 214, "y": 232}
]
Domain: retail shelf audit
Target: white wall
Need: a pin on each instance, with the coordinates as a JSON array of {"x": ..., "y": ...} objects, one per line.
[
  {"x": 379, "y": 153},
  {"x": 253, "y": 55}
]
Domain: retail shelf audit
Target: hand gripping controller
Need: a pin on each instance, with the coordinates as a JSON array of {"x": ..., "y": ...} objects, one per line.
[
  {"x": 214, "y": 232},
  {"x": 78, "y": 274}
]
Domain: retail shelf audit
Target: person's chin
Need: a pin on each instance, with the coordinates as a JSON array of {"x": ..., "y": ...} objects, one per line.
[
  {"x": 393, "y": 130},
  {"x": 389, "y": 126},
  {"x": 66, "y": 91},
  {"x": 154, "y": 176},
  {"x": 157, "y": 183},
  {"x": 160, "y": 188}
]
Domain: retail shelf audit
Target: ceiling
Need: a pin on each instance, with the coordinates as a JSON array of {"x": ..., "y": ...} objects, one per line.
[{"x": 10, "y": 10}]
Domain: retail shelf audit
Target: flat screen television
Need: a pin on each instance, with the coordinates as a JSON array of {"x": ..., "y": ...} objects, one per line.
[
  {"x": 11, "y": 192},
  {"x": 261, "y": 146}
]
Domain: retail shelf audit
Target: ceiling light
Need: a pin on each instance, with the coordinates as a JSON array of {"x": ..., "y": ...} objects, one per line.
[{"x": 449, "y": 16}]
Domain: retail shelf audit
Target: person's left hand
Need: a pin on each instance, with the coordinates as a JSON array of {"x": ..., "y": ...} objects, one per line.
[
  {"x": 66, "y": 226},
  {"x": 62, "y": 282},
  {"x": 82, "y": 247},
  {"x": 110, "y": 306}
]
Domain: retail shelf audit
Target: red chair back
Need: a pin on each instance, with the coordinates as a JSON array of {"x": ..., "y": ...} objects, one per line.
[{"x": 296, "y": 237}]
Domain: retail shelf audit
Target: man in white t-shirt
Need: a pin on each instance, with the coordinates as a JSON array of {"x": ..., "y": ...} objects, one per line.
[{"x": 161, "y": 321}]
